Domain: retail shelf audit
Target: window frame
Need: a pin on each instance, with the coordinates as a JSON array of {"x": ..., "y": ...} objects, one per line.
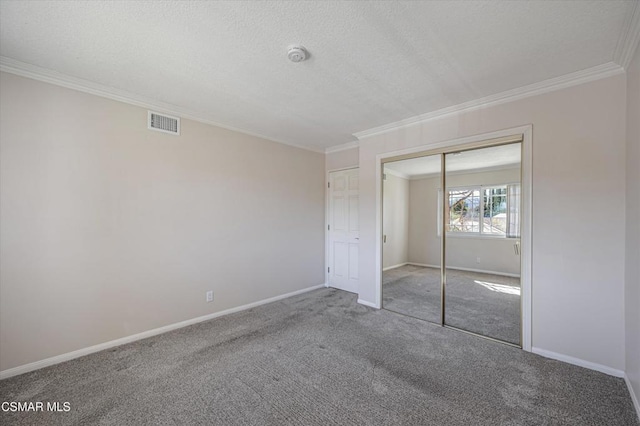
[{"x": 481, "y": 189}]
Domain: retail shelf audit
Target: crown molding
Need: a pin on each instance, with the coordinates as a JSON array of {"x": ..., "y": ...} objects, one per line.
[
  {"x": 46, "y": 75},
  {"x": 573, "y": 79},
  {"x": 629, "y": 38},
  {"x": 627, "y": 43},
  {"x": 397, "y": 174},
  {"x": 342, "y": 147},
  {"x": 468, "y": 171},
  {"x": 452, "y": 173}
]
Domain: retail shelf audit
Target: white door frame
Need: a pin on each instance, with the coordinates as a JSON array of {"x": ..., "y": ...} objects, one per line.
[
  {"x": 526, "y": 224},
  {"x": 327, "y": 213}
]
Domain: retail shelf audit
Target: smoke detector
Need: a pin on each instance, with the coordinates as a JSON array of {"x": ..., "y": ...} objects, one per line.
[{"x": 297, "y": 54}]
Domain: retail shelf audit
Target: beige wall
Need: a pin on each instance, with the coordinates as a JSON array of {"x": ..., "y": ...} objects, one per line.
[
  {"x": 424, "y": 242},
  {"x": 108, "y": 229},
  {"x": 496, "y": 254},
  {"x": 632, "y": 271},
  {"x": 578, "y": 264},
  {"x": 344, "y": 159},
  {"x": 395, "y": 221}
]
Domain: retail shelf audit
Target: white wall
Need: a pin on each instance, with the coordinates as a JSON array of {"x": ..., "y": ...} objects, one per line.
[
  {"x": 108, "y": 229},
  {"x": 395, "y": 220},
  {"x": 496, "y": 254},
  {"x": 491, "y": 255},
  {"x": 632, "y": 269},
  {"x": 578, "y": 263}
]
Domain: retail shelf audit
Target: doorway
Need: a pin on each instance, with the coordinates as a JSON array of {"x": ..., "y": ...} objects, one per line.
[{"x": 452, "y": 222}]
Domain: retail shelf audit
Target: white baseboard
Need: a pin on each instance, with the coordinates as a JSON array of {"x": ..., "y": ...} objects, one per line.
[
  {"x": 483, "y": 271},
  {"x": 395, "y": 266},
  {"x": 425, "y": 265},
  {"x": 369, "y": 304},
  {"x": 634, "y": 397},
  {"x": 455, "y": 268},
  {"x": 4, "y": 374},
  {"x": 579, "y": 362}
]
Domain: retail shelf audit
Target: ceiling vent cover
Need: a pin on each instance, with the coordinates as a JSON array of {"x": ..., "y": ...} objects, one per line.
[{"x": 164, "y": 123}]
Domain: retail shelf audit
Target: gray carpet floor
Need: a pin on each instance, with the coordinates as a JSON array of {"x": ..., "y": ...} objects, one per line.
[
  {"x": 486, "y": 304},
  {"x": 319, "y": 359}
]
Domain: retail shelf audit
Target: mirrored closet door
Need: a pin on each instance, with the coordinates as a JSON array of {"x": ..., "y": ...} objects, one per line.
[
  {"x": 474, "y": 221},
  {"x": 482, "y": 240},
  {"x": 411, "y": 244}
]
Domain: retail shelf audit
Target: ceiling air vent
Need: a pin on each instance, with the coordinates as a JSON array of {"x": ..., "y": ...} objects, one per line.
[{"x": 164, "y": 123}]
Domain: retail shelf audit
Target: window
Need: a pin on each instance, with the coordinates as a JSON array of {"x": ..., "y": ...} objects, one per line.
[
  {"x": 483, "y": 210},
  {"x": 464, "y": 210},
  {"x": 495, "y": 211}
]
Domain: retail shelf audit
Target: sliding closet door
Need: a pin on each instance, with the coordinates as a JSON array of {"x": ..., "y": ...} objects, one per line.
[
  {"x": 411, "y": 241},
  {"x": 482, "y": 241}
]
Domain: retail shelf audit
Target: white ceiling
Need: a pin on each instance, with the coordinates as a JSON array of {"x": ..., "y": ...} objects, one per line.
[
  {"x": 372, "y": 63},
  {"x": 495, "y": 157}
]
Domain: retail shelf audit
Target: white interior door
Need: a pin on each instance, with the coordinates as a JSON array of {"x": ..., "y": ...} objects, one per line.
[{"x": 343, "y": 230}]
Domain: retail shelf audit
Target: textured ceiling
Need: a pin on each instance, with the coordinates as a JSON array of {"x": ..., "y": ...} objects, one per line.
[{"x": 371, "y": 63}]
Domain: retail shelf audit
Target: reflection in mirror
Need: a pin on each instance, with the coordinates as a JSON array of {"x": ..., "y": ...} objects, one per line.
[
  {"x": 482, "y": 239},
  {"x": 411, "y": 244}
]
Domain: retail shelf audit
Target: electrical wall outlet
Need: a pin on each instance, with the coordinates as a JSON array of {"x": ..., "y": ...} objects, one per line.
[
  {"x": 478, "y": 259},
  {"x": 210, "y": 296}
]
